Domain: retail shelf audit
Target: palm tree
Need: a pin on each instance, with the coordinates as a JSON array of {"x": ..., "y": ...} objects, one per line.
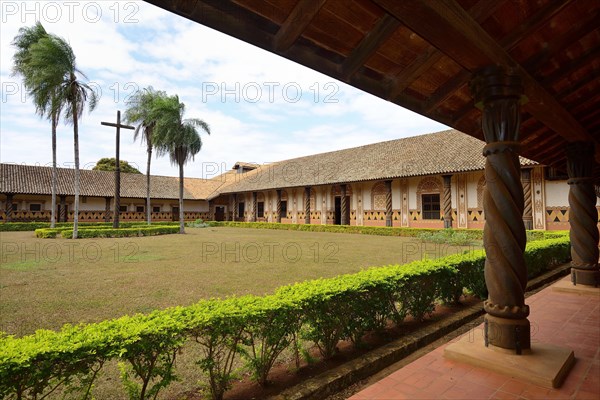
[
  {"x": 139, "y": 112},
  {"x": 45, "y": 106},
  {"x": 178, "y": 137},
  {"x": 53, "y": 74}
]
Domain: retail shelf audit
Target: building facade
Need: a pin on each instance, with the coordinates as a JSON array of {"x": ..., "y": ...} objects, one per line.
[{"x": 428, "y": 181}]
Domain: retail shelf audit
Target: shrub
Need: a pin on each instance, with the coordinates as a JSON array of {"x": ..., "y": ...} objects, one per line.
[
  {"x": 450, "y": 236},
  {"x": 199, "y": 223},
  {"x": 32, "y": 226},
  {"x": 121, "y": 232}
]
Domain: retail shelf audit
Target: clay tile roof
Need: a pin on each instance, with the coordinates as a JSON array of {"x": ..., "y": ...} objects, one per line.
[
  {"x": 29, "y": 179},
  {"x": 443, "y": 152}
]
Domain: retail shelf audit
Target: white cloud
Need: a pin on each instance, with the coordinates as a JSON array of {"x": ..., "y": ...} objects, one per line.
[{"x": 143, "y": 45}]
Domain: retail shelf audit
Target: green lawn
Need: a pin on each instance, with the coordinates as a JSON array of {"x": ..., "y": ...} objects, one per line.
[{"x": 45, "y": 283}]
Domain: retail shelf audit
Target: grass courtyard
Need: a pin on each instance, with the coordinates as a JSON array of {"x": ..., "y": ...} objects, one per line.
[{"x": 45, "y": 283}]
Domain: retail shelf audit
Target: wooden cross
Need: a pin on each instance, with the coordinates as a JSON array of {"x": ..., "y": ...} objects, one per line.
[{"x": 118, "y": 125}]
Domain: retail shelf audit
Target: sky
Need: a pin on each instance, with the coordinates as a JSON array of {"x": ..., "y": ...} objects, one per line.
[{"x": 260, "y": 107}]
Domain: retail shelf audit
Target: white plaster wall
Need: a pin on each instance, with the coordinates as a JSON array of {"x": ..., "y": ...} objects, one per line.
[
  {"x": 472, "y": 180},
  {"x": 195, "y": 205},
  {"x": 367, "y": 195},
  {"x": 557, "y": 194},
  {"x": 453, "y": 191},
  {"x": 396, "y": 199},
  {"x": 91, "y": 204},
  {"x": 412, "y": 193}
]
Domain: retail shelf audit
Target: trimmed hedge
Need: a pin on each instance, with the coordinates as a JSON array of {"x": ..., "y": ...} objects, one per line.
[
  {"x": 32, "y": 226},
  {"x": 126, "y": 229},
  {"x": 475, "y": 234},
  {"x": 122, "y": 232},
  {"x": 366, "y": 230},
  {"x": 257, "y": 329}
]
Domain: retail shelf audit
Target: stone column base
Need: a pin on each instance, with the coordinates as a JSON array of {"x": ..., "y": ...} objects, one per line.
[
  {"x": 545, "y": 364},
  {"x": 512, "y": 334},
  {"x": 585, "y": 277}
]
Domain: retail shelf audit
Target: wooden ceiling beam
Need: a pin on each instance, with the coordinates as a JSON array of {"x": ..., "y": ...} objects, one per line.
[
  {"x": 293, "y": 26},
  {"x": 370, "y": 43},
  {"x": 573, "y": 89},
  {"x": 481, "y": 11},
  {"x": 535, "y": 22},
  {"x": 447, "y": 26},
  {"x": 536, "y": 61},
  {"x": 508, "y": 43},
  {"x": 575, "y": 65}
]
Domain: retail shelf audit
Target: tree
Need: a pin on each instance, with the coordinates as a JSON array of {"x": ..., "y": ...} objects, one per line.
[
  {"x": 110, "y": 164},
  {"x": 48, "y": 106},
  {"x": 177, "y": 137},
  {"x": 140, "y": 112},
  {"x": 53, "y": 74}
]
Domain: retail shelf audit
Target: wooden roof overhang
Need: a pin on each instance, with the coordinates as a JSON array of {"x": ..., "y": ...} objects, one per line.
[{"x": 421, "y": 55}]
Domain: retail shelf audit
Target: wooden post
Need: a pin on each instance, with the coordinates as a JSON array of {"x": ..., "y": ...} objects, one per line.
[
  {"x": 307, "y": 205},
  {"x": 527, "y": 211},
  {"x": 254, "y": 206},
  {"x": 278, "y": 205},
  {"x": 447, "y": 201},
  {"x": 106, "y": 209},
  {"x": 118, "y": 125},
  {"x": 63, "y": 209},
  {"x": 388, "y": 203},
  {"x": 345, "y": 220},
  {"x": 236, "y": 207},
  {"x": 9, "y": 207},
  {"x": 583, "y": 215},
  {"x": 498, "y": 94}
]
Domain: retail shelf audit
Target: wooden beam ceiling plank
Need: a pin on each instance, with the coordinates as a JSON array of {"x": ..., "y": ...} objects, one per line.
[
  {"x": 481, "y": 11},
  {"x": 418, "y": 67},
  {"x": 370, "y": 43},
  {"x": 447, "y": 89},
  {"x": 592, "y": 54},
  {"x": 553, "y": 48},
  {"x": 447, "y": 26},
  {"x": 533, "y": 23},
  {"x": 508, "y": 43},
  {"x": 300, "y": 17}
]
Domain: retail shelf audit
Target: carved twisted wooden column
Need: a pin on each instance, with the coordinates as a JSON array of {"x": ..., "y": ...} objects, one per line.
[
  {"x": 447, "y": 201},
  {"x": 344, "y": 204},
  {"x": 63, "y": 211},
  {"x": 388, "y": 203},
  {"x": 9, "y": 208},
  {"x": 583, "y": 215},
  {"x": 236, "y": 207},
  {"x": 497, "y": 94},
  {"x": 307, "y": 205},
  {"x": 278, "y": 206},
  {"x": 527, "y": 213},
  {"x": 254, "y": 206}
]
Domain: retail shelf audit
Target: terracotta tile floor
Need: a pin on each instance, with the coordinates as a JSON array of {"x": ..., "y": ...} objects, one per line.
[{"x": 565, "y": 319}]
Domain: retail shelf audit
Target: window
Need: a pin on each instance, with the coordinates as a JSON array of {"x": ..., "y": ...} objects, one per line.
[
  {"x": 241, "y": 210},
  {"x": 260, "y": 209},
  {"x": 15, "y": 206},
  {"x": 123, "y": 208},
  {"x": 35, "y": 207},
  {"x": 156, "y": 209},
  {"x": 84, "y": 199},
  {"x": 283, "y": 208},
  {"x": 139, "y": 208},
  {"x": 431, "y": 206}
]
